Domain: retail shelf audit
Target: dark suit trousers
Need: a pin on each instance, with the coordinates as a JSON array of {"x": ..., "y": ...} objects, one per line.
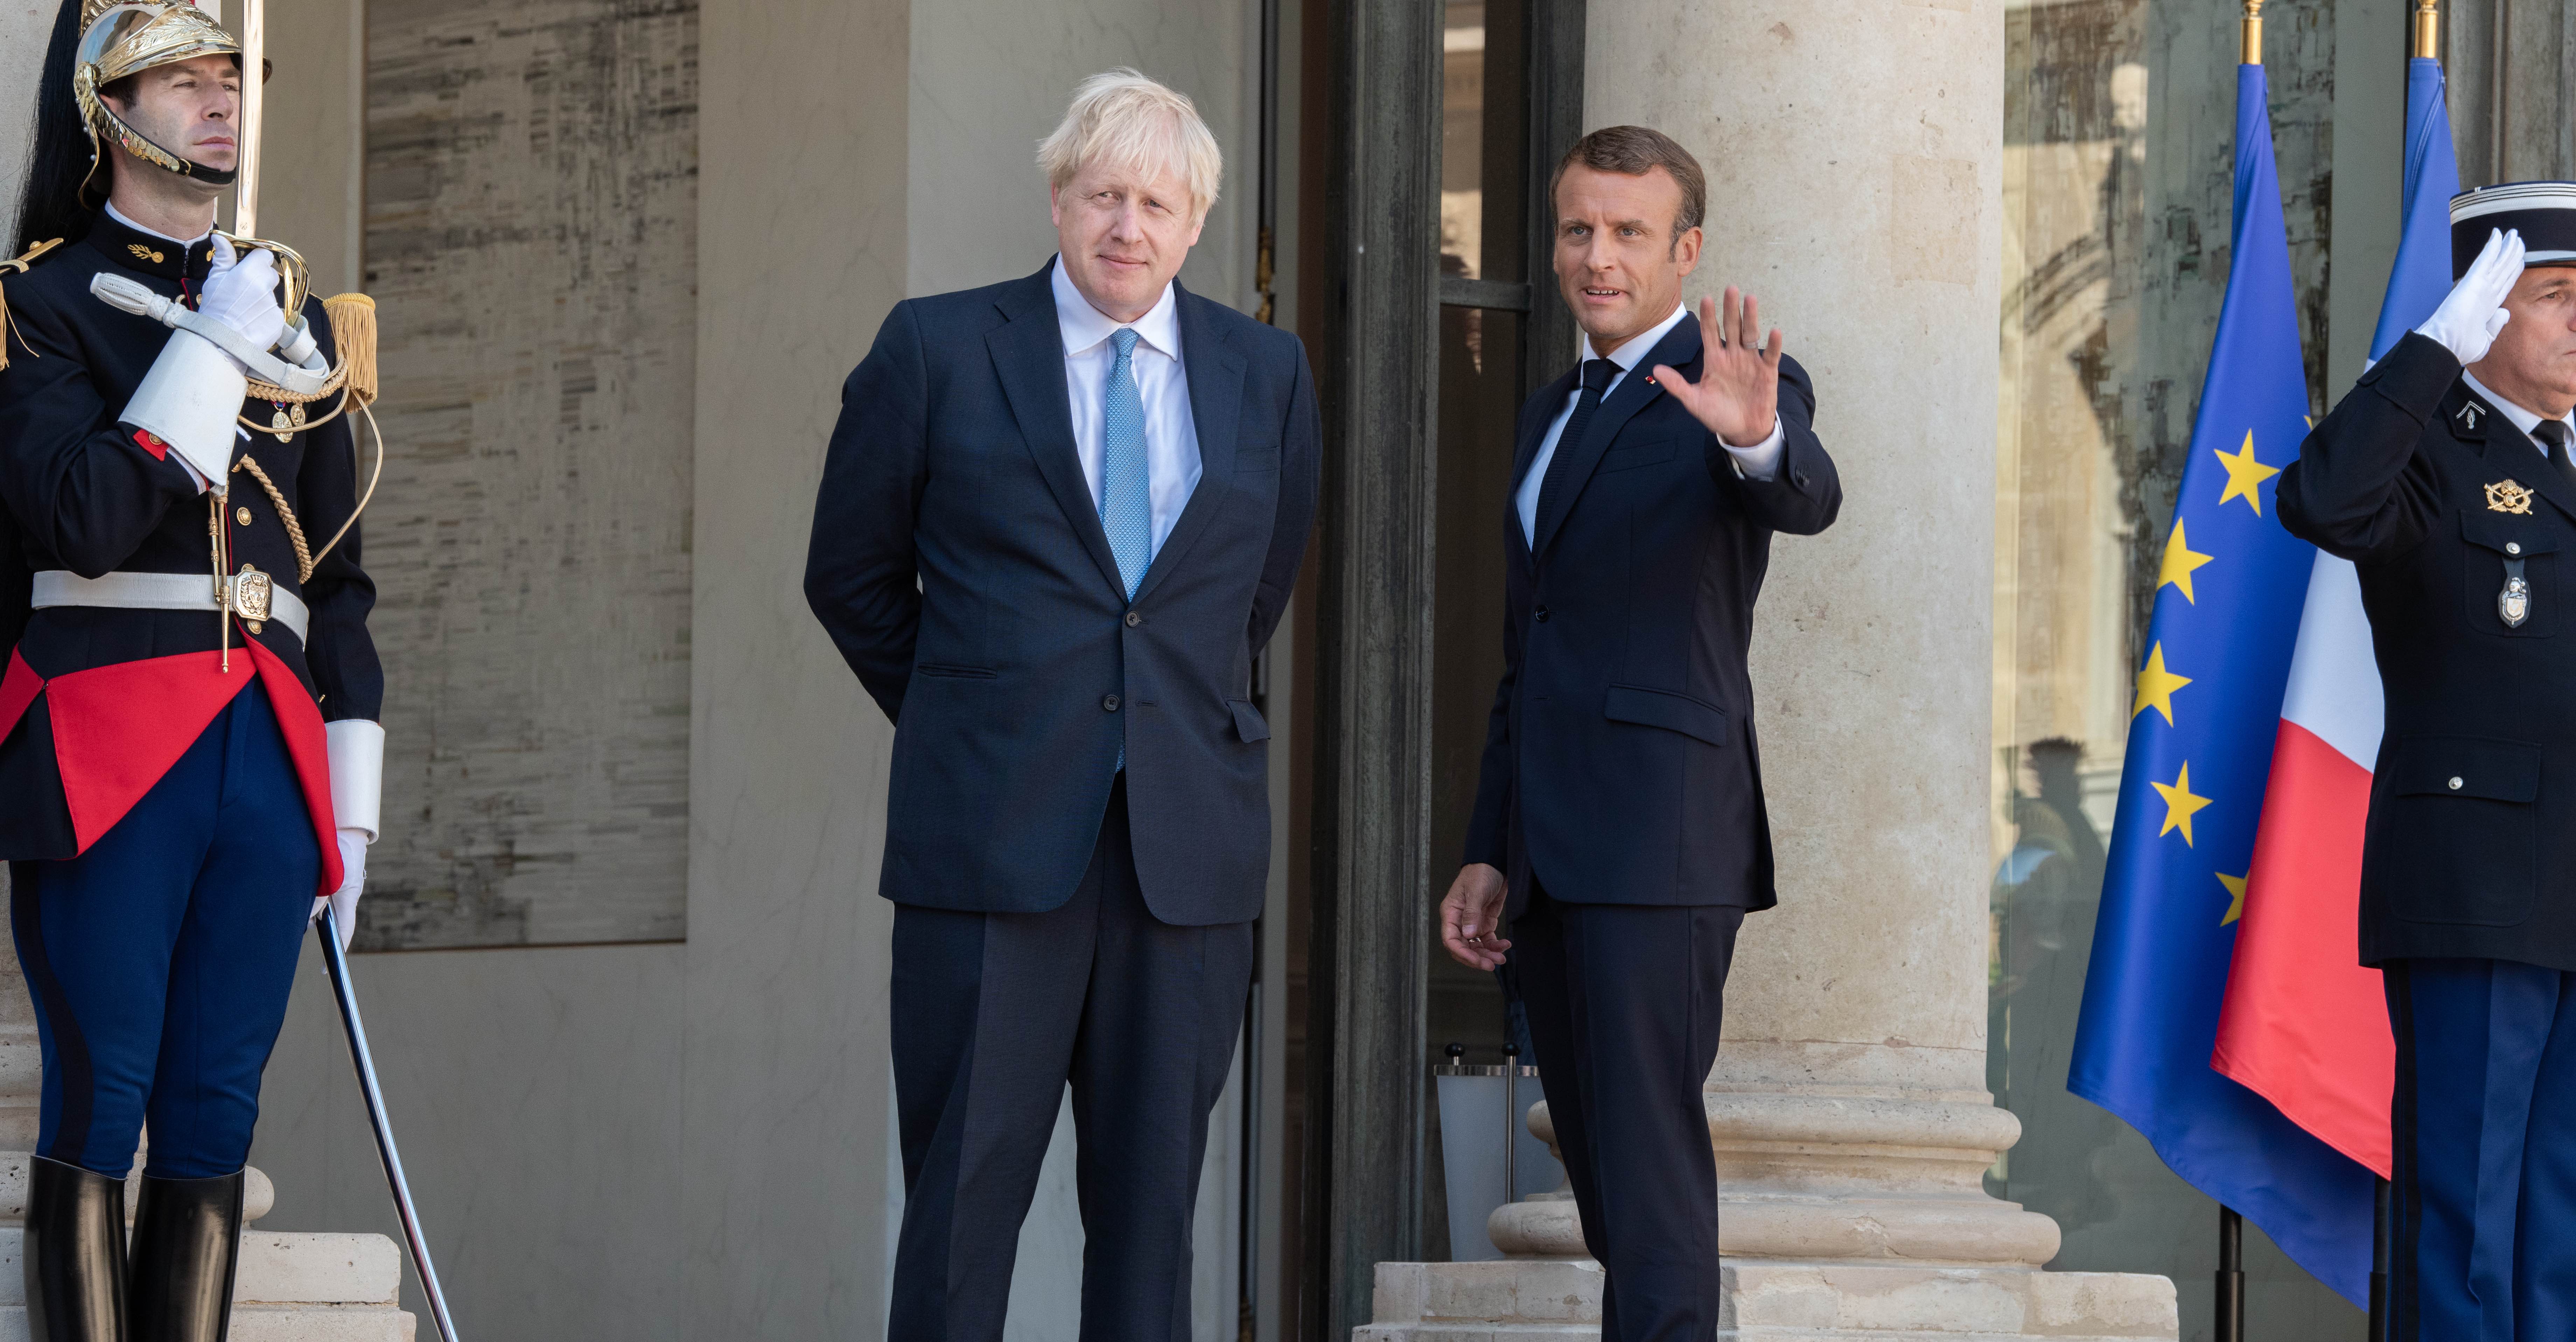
[
  {"x": 1624, "y": 1003},
  {"x": 2485, "y": 1145},
  {"x": 993, "y": 1013}
]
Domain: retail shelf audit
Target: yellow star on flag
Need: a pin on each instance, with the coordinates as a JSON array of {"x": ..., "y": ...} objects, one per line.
[
  {"x": 2236, "y": 897},
  {"x": 2180, "y": 804},
  {"x": 2181, "y": 562},
  {"x": 2156, "y": 686},
  {"x": 2245, "y": 475}
]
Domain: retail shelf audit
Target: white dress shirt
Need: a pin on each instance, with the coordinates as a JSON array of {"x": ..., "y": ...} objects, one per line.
[
  {"x": 1162, "y": 383},
  {"x": 2522, "y": 419},
  {"x": 1758, "y": 462}
]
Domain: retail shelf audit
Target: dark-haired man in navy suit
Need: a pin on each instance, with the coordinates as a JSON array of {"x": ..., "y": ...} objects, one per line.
[
  {"x": 1059, "y": 518},
  {"x": 1619, "y": 820}
]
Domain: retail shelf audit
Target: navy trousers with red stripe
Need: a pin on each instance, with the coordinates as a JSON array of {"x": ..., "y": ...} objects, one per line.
[
  {"x": 2485, "y": 1144},
  {"x": 160, "y": 961}
]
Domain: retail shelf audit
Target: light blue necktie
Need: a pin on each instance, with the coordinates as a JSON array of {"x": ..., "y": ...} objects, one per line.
[{"x": 1126, "y": 488}]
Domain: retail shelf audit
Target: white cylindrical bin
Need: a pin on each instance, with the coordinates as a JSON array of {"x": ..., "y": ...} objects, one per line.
[{"x": 1489, "y": 1156}]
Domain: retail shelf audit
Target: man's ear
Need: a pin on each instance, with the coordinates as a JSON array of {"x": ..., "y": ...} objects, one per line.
[{"x": 1686, "y": 249}]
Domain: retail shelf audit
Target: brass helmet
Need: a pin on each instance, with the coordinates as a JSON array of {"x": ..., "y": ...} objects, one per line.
[{"x": 118, "y": 40}]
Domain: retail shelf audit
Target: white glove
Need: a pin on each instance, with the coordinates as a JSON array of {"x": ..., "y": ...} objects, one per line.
[
  {"x": 2468, "y": 320},
  {"x": 343, "y": 902},
  {"x": 241, "y": 292}
]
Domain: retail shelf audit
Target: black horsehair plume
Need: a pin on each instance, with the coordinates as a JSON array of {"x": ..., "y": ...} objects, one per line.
[{"x": 49, "y": 204}]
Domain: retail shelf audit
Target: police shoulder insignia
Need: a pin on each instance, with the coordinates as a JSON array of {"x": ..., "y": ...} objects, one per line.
[
  {"x": 2504, "y": 496},
  {"x": 2469, "y": 415}
]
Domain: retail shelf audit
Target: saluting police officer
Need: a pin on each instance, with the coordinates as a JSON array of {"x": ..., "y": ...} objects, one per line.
[
  {"x": 2445, "y": 477},
  {"x": 177, "y": 624}
]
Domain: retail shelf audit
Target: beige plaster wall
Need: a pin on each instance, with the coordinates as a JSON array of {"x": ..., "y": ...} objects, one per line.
[
  {"x": 24, "y": 26},
  {"x": 537, "y": 1096},
  {"x": 802, "y": 249},
  {"x": 1872, "y": 240},
  {"x": 990, "y": 79},
  {"x": 312, "y": 175}
]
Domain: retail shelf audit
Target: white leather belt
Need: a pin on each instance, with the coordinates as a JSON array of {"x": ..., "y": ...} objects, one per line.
[{"x": 168, "y": 591}]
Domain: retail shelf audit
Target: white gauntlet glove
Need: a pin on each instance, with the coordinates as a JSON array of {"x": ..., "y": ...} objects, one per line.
[
  {"x": 2467, "y": 322},
  {"x": 242, "y": 294},
  {"x": 343, "y": 902},
  {"x": 357, "y": 796}
]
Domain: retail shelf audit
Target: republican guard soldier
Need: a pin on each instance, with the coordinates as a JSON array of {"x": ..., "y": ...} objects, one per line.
[
  {"x": 191, "y": 759},
  {"x": 2444, "y": 476}
]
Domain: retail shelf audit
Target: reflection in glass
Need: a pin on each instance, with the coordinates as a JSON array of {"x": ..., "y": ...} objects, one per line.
[{"x": 2116, "y": 215}]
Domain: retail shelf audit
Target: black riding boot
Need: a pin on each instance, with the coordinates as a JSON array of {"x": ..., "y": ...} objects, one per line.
[
  {"x": 187, "y": 1235},
  {"x": 75, "y": 1254}
]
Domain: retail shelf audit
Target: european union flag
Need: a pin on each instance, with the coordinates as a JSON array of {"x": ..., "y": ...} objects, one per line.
[{"x": 2206, "y": 710}]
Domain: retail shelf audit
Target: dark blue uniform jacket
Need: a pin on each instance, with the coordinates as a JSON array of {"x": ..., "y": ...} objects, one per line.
[
  {"x": 82, "y": 494},
  {"x": 2471, "y": 844}
]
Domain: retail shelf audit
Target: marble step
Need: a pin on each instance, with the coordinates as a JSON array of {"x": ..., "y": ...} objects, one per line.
[
  {"x": 291, "y": 1287},
  {"x": 1559, "y": 1300},
  {"x": 280, "y": 1323}
]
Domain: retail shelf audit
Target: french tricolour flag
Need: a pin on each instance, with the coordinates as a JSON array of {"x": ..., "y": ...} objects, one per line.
[{"x": 2305, "y": 1026}]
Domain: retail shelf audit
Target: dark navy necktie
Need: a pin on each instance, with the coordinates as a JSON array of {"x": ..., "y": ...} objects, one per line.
[
  {"x": 2553, "y": 435},
  {"x": 1597, "y": 374}
]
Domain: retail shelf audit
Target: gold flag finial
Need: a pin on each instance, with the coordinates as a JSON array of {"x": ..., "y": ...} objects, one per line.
[
  {"x": 2428, "y": 30},
  {"x": 2253, "y": 54}
]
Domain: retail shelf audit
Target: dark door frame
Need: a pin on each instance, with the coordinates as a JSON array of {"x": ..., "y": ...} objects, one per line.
[{"x": 1373, "y": 895}]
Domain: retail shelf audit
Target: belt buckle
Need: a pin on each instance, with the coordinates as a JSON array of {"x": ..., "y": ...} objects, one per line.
[{"x": 250, "y": 595}]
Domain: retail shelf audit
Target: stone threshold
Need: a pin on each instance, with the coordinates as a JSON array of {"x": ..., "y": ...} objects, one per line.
[{"x": 1559, "y": 1300}]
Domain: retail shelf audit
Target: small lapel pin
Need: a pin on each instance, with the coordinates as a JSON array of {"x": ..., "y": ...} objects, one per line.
[{"x": 2469, "y": 416}]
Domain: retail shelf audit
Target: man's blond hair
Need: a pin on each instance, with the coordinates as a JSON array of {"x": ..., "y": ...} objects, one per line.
[{"x": 1124, "y": 118}]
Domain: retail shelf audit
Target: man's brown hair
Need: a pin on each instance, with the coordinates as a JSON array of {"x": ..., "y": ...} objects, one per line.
[{"x": 1635, "y": 151}]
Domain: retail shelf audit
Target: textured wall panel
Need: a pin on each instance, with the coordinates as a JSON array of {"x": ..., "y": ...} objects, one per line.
[{"x": 531, "y": 236}]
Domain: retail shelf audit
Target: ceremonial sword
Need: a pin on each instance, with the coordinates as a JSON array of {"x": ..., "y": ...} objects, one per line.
[
  {"x": 254, "y": 39},
  {"x": 328, "y": 929}
]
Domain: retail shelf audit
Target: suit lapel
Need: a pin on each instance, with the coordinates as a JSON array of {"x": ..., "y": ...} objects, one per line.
[
  {"x": 1214, "y": 371},
  {"x": 1028, "y": 356},
  {"x": 1636, "y": 391}
]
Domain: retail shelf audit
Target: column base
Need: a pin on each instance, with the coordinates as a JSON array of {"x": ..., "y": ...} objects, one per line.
[{"x": 1559, "y": 1300}]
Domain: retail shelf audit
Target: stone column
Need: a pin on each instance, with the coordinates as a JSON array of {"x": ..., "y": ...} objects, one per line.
[{"x": 1854, "y": 156}]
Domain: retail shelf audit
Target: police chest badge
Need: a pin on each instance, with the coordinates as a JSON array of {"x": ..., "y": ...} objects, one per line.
[
  {"x": 2513, "y": 604},
  {"x": 2504, "y": 496}
]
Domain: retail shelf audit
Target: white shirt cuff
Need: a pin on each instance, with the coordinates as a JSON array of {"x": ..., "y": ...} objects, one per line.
[{"x": 1762, "y": 460}]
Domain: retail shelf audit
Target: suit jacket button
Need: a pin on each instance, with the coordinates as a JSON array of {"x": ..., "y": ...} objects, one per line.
[
  {"x": 1109, "y": 703},
  {"x": 2510, "y": 547},
  {"x": 1540, "y": 615},
  {"x": 2455, "y": 784},
  {"x": 1134, "y": 619}
]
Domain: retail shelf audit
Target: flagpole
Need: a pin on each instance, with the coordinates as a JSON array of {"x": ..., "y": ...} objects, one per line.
[
  {"x": 2425, "y": 45},
  {"x": 2382, "y": 1246},
  {"x": 2228, "y": 1304}
]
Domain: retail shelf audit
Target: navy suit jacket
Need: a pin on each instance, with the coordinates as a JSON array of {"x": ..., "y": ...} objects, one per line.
[
  {"x": 1620, "y": 765},
  {"x": 959, "y": 563}
]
